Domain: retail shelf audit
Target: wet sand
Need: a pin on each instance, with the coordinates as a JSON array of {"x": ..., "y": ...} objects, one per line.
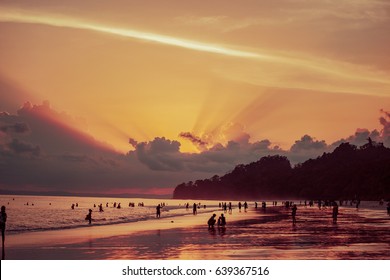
[{"x": 253, "y": 235}]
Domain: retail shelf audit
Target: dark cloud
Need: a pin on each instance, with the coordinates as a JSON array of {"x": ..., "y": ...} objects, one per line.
[
  {"x": 53, "y": 131},
  {"x": 305, "y": 148},
  {"x": 54, "y": 156},
  {"x": 385, "y": 122},
  {"x": 133, "y": 142},
  {"x": 197, "y": 141},
  {"x": 164, "y": 155},
  {"x": 160, "y": 154},
  {"x": 74, "y": 158},
  {"x": 23, "y": 148},
  {"x": 307, "y": 143},
  {"x": 16, "y": 128},
  {"x": 360, "y": 138}
]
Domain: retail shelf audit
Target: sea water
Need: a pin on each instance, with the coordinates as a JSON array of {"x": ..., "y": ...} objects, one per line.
[{"x": 41, "y": 213}]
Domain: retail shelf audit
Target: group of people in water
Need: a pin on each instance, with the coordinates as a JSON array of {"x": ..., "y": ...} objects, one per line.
[
  {"x": 228, "y": 208},
  {"x": 88, "y": 217},
  {"x": 290, "y": 205},
  {"x": 221, "y": 221}
]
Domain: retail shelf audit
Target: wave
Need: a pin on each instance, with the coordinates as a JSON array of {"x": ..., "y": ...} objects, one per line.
[{"x": 96, "y": 222}]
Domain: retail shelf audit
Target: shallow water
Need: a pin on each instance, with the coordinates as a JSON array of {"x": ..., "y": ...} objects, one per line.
[
  {"x": 41, "y": 213},
  {"x": 362, "y": 233},
  {"x": 272, "y": 236}
]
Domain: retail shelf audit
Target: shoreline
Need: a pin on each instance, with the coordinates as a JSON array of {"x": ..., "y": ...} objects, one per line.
[
  {"x": 74, "y": 235},
  {"x": 255, "y": 234}
]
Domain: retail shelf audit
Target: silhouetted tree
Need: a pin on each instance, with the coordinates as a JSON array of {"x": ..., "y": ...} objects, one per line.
[{"x": 343, "y": 174}]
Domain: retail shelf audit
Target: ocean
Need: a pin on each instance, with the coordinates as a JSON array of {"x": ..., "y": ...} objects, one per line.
[
  {"x": 361, "y": 233},
  {"x": 41, "y": 213}
]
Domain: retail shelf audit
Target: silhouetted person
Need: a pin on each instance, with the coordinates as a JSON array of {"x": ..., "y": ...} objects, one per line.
[
  {"x": 72, "y": 207},
  {"x": 230, "y": 208},
  {"x": 335, "y": 212},
  {"x": 194, "y": 209},
  {"x": 101, "y": 208},
  {"x": 211, "y": 221},
  {"x": 119, "y": 206},
  {"x": 239, "y": 206},
  {"x": 222, "y": 221},
  {"x": 245, "y": 206},
  {"x": 388, "y": 208},
  {"x": 158, "y": 211},
  {"x": 89, "y": 216},
  {"x": 294, "y": 214},
  {"x": 255, "y": 205},
  {"x": 3, "y": 220}
]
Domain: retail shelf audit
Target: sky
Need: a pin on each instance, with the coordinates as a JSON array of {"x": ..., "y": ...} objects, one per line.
[{"x": 137, "y": 96}]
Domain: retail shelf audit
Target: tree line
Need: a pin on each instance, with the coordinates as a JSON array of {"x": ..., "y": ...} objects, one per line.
[{"x": 348, "y": 172}]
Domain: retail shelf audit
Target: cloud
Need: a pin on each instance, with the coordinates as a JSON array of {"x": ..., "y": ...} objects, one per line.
[
  {"x": 53, "y": 131},
  {"x": 20, "y": 16},
  {"x": 197, "y": 141},
  {"x": 361, "y": 135},
  {"x": 307, "y": 143},
  {"x": 133, "y": 142},
  {"x": 164, "y": 155},
  {"x": 23, "y": 148},
  {"x": 385, "y": 122},
  {"x": 16, "y": 128},
  {"x": 230, "y": 131},
  {"x": 260, "y": 66},
  {"x": 160, "y": 154},
  {"x": 78, "y": 164},
  {"x": 305, "y": 148}
]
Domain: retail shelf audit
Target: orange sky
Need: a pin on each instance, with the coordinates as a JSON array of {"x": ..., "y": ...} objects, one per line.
[{"x": 278, "y": 69}]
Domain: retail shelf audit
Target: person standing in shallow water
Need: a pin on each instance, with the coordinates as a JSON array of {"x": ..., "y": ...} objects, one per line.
[
  {"x": 194, "y": 209},
  {"x": 388, "y": 208},
  {"x": 158, "y": 211},
  {"x": 3, "y": 220},
  {"x": 89, "y": 216},
  {"x": 294, "y": 214},
  {"x": 335, "y": 212}
]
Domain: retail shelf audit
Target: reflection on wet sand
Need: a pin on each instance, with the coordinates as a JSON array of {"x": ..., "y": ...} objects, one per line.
[{"x": 357, "y": 235}]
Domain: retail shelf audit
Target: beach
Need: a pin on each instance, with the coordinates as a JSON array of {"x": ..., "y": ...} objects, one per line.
[{"x": 255, "y": 234}]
